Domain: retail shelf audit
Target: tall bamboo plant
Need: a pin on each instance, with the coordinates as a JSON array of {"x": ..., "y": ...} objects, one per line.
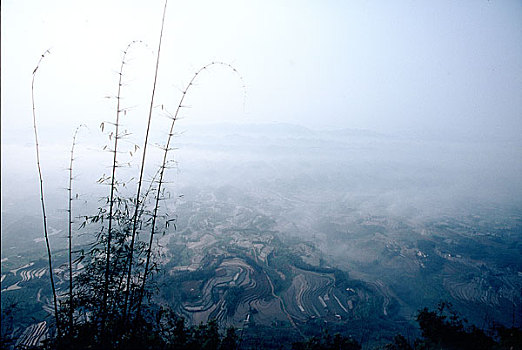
[
  {"x": 163, "y": 167},
  {"x": 42, "y": 197},
  {"x": 138, "y": 200},
  {"x": 113, "y": 183},
  {"x": 69, "y": 229}
]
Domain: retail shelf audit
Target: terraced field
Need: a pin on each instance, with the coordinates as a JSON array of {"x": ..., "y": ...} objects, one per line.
[
  {"x": 232, "y": 295},
  {"x": 33, "y": 335},
  {"x": 231, "y": 263},
  {"x": 241, "y": 292},
  {"x": 20, "y": 275}
]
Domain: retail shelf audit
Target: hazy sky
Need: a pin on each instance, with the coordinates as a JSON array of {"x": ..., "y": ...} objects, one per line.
[{"x": 431, "y": 67}]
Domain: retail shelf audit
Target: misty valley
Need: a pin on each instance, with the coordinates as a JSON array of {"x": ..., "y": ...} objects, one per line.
[{"x": 281, "y": 231}]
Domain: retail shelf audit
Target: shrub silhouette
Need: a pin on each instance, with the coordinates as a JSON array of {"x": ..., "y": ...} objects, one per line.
[
  {"x": 443, "y": 328},
  {"x": 327, "y": 342}
]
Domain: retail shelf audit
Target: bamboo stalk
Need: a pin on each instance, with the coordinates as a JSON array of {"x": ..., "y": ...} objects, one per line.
[
  {"x": 140, "y": 181},
  {"x": 42, "y": 200},
  {"x": 163, "y": 166},
  {"x": 113, "y": 188},
  {"x": 70, "y": 222}
]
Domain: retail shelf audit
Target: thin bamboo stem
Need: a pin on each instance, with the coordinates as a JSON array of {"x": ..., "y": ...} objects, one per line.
[
  {"x": 140, "y": 181},
  {"x": 113, "y": 188},
  {"x": 40, "y": 177},
  {"x": 163, "y": 166},
  {"x": 70, "y": 222}
]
